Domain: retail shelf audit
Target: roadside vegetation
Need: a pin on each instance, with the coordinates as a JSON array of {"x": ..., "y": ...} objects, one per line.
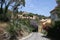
[{"x": 15, "y": 28}]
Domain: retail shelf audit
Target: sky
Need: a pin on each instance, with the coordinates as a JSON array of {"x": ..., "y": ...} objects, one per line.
[{"x": 41, "y": 7}]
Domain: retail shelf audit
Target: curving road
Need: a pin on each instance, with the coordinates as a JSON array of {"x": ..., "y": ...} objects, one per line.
[{"x": 36, "y": 36}]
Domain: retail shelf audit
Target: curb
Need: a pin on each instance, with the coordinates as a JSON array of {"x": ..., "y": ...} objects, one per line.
[{"x": 26, "y": 37}]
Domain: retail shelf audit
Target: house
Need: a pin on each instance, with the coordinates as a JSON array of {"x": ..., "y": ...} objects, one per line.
[
  {"x": 34, "y": 17},
  {"x": 55, "y": 13},
  {"x": 25, "y": 15},
  {"x": 43, "y": 24}
]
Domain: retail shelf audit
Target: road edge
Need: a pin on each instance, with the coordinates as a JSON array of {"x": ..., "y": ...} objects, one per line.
[{"x": 26, "y": 37}]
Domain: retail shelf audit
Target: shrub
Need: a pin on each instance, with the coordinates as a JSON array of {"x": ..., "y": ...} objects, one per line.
[{"x": 55, "y": 31}]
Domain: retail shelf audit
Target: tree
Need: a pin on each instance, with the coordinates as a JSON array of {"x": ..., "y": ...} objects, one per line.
[
  {"x": 3, "y": 11},
  {"x": 30, "y": 14}
]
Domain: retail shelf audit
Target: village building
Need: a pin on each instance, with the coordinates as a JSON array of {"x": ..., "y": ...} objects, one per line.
[
  {"x": 43, "y": 24},
  {"x": 55, "y": 13},
  {"x": 25, "y": 15}
]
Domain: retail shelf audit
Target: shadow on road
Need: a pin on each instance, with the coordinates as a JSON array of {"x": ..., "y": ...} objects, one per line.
[{"x": 51, "y": 38}]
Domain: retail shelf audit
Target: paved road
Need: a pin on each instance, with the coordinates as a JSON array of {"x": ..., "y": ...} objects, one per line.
[{"x": 36, "y": 36}]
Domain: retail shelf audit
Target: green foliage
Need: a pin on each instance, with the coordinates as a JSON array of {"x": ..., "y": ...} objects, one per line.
[
  {"x": 3, "y": 12},
  {"x": 55, "y": 31},
  {"x": 25, "y": 15},
  {"x": 58, "y": 0},
  {"x": 23, "y": 2},
  {"x": 14, "y": 27},
  {"x": 40, "y": 16},
  {"x": 21, "y": 12},
  {"x": 27, "y": 23},
  {"x": 30, "y": 14},
  {"x": 19, "y": 25}
]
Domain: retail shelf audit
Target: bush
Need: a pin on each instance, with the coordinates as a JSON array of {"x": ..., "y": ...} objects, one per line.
[
  {"x": 3, "y": 18},
  {"x": 17, "y": 26},
  {"x": 55, "y": 31}
]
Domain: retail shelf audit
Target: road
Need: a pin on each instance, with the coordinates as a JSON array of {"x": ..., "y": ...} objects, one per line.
[{"x": 36, "y": 36}]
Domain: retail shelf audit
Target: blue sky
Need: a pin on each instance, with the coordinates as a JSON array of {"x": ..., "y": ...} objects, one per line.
[{"x": 41, "y": 7}]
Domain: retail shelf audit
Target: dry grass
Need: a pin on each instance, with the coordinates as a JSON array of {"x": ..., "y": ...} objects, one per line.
[{"x": 3, "y": 24}]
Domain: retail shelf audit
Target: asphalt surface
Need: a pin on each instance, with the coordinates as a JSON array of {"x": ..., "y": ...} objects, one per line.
[{"x": 36, "y": 36}]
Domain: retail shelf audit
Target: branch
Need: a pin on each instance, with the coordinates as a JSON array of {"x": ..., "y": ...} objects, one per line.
[{"x": 6, "y": 6}]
